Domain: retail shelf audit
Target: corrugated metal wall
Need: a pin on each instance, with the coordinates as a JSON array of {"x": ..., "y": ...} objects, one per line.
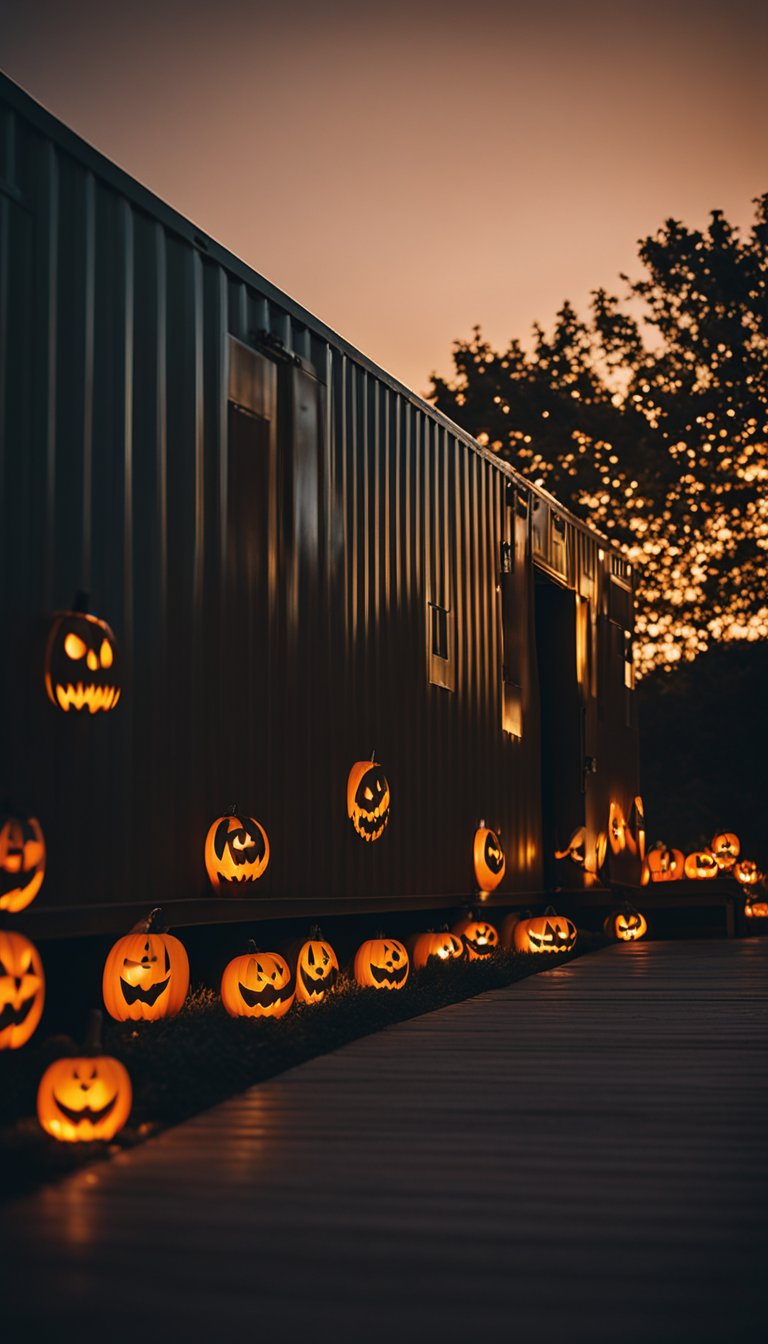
[{"x": 268, "y": 569}]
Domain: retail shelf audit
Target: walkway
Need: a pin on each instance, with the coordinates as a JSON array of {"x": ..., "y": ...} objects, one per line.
[{"x": 579, "y": 1158}]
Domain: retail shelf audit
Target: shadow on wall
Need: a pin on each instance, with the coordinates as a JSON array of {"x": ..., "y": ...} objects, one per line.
[{"x": 704, "y": 749}]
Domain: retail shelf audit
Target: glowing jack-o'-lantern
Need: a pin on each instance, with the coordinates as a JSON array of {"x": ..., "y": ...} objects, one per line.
[
  {"x": 625, "y": 926},
  {"x": 258, "y": 984},
  {"x": 146, "y": 974},
  {"x": 746, "y": 872},
  {"x": 617, "y": 829},
  {"x": 701, "y": 865},
  {"x": 82, "y": 662},
  {"x": 236, "y": 852},
  {"x": 489, "y": 859},
  {"x": 635, "y": 830},
  {"x": 480, "y": 938},
  {"x": 22, "y": 861},
  {"x": 435, "y": 947},
  {"x": 368, "y": 799},
  {"x": 317, "y": 968},
  {"x": 665, "y": 865},
  {"x": 381, "y": 963},
  {"x": 756, "y": 909},
  {"x": 726, "y": 848},
  {"x": 87, "y": 1098},
  {"x": 22, "y": 990},
  {"x": 575, "y": 850},
  {"x": 549, "y": 932}
]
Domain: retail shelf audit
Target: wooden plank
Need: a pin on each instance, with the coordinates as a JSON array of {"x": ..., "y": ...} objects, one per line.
[{"x": 579, "y": 1157}]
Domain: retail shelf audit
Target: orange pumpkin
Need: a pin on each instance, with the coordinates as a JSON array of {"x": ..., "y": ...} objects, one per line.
[
  {"x": 431, "y": 946},
  {"x": 756, "y": 909},
  {"x": 258, "y": 984},
  {"x": 575, "y": 850},
  {"x": 146, "y": 974},
  {"x": 480, "y": 938},
  {"x": 726, "y": 848},
  {"x": 22, "y": 990},
  {"x": 549, "y": 932},
  {"x": 489, "y": 859},
  {"x": 236, "y": 852},
  {"x": 617, "y": 828},
  {"x": 701, "y": 865},
  {"x": 746, "y": 872},
  {"x": 665, "y": 865},
  {"x": 381, "y": 963},
  {"x": 84, "y": 1099},
  {"x": 625, "y": 926},
  {"x": 22, "y": 861},
  {"x": 368, "y": 799},
  {"x": 317, "y": 968},
  {"x": 636, "y": 829}
]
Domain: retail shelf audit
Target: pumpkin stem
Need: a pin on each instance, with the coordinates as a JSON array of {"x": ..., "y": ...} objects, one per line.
[
  {"x": 550, "y": 911},
  {"x": 93, "y": 1034},
  {"x": 82, "y": 600},
  {"x": 252, "y": 946},
  {"x": 153, "y": 919},
  {"x": 233, "y": 810},
  {"x": 373, "y": 755},
  {"x": 316, "y": 933}
]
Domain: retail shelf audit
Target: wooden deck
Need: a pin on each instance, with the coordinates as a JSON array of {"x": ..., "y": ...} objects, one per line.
[{"x": 580, "y": 1157}]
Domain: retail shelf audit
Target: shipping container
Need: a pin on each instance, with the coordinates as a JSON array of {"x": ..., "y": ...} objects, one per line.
[{"x": 304, "y": 564}]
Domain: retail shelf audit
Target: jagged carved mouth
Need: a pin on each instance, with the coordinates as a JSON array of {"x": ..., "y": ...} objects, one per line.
[
  {"x": 12, "y": 1016},
  {"x": 551, "y": 940},
  {"x": 267, "y": 997},
  {"x": 77, "y": 1117},
  {"x": 134, "y": 993},
  {"x": 89, "y": 697},
  {"x": 16, "y": 881},
  {"x": 371, "y": 827},
  {"x": 239, "y": 877},
  {"x": 318, "y": 983},
  {"x": 383, "y": 976},
  {"x": 484, "y": 949}
]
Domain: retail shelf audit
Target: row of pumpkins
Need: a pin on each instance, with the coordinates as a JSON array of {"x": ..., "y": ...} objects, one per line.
[
  {"x": 721, "y": 859},
  {"x": 146, "y": 977}
]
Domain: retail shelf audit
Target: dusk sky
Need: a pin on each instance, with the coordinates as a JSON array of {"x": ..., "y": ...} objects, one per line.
[{"x": 409, "y": 170}]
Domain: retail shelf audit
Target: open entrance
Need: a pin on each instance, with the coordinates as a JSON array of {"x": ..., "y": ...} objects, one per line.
[{"x": 562, "y": 722}]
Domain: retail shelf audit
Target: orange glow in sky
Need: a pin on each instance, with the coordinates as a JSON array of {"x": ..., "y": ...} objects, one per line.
[{"x": 409, "y": 171}]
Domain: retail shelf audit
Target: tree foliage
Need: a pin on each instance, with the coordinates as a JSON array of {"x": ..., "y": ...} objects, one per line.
[{"x": 652, "y": 422}]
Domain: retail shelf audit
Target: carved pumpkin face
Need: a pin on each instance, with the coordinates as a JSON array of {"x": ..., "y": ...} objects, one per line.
[
  {"x": 701, "y": 865},
  {"x": 22, "y": 861},
  {"x": 236, "y": 853},
  {"x": 146, "y": 976},
  {"x": 545, "y": 933},
  {"x": 726, "y": 848},
  {"x": 316, "y": 970},
  {"x": 665, "y": 865},
  {"x": 22, "y": 990},
  {"x": 756, "y": 909},
  {"x": 258, "y": 984},
  {"x": 82, "y": 663},
  {"x": 368, "y": 799},
  {"x": 381, "y": 963},
  {"x": 575, "y": 850},
  {"x": 489, "y": 859},
  {"x": 80, "y": 1100},
  {"x": 480, "y": 938},
  {"x": 617, "y": 829},
  {"x": 626, "y": 927},
  {"x": 435, "y": 947},
  {"x": 746, "y": 872}
]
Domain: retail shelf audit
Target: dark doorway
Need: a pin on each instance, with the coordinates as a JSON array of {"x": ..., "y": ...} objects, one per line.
[{"x": 562, "y": 727}]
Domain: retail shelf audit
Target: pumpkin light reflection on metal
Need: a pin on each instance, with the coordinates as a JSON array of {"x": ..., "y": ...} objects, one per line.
[
  {"x": 22, "y": 989},
  {"x": 22, "y": 861},
  {"x": 368, "y": 799},
  {"x": 489, "y": 860},
  {"x": 82, "y": 661}
]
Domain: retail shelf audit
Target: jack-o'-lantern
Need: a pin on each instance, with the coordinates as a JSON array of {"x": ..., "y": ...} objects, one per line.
[
  {"x": 575, "y": 850},
  {"x": 317, "y": 968},
  {"x": 84, "y": 1099},
  {"x": 508, "y": 925},
  {"x": 726, "y": 848},
  {"x": 601, "y": 849},
  {"x": 489, "y": 859},
  {"x": 368, "y": 799},
  {"x": 258, "y": 984},
  {"x": 756, "y": 909},
  {"x": 701, "y": 865},
  {"x": 617, "y": 829},
  {"x": 22, "y": 861},
  {"x": 746, "y": 872},
  {"x": 665, "y": 865},
  {"x": 549, "y": 932},
  {"x": 625, "y": 926},
  {"x": 82, "y": 663},
  {"x": 635, "y": 831},
  {"x": 381, "y": 963},
  {"x": 236, "y": 852},
  {"x": 480, "y": 938},
  {"x": 434, "y": 947},
  {"x": 22, "y": 990},
  {"x": 146, "y": 974}
]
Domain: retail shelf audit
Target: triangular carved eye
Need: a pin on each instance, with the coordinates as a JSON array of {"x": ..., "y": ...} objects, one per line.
[{"x": 311, "y": 956}]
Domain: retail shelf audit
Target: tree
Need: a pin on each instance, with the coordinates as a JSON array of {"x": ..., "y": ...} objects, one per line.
[{"x": 655, "y": 427}]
